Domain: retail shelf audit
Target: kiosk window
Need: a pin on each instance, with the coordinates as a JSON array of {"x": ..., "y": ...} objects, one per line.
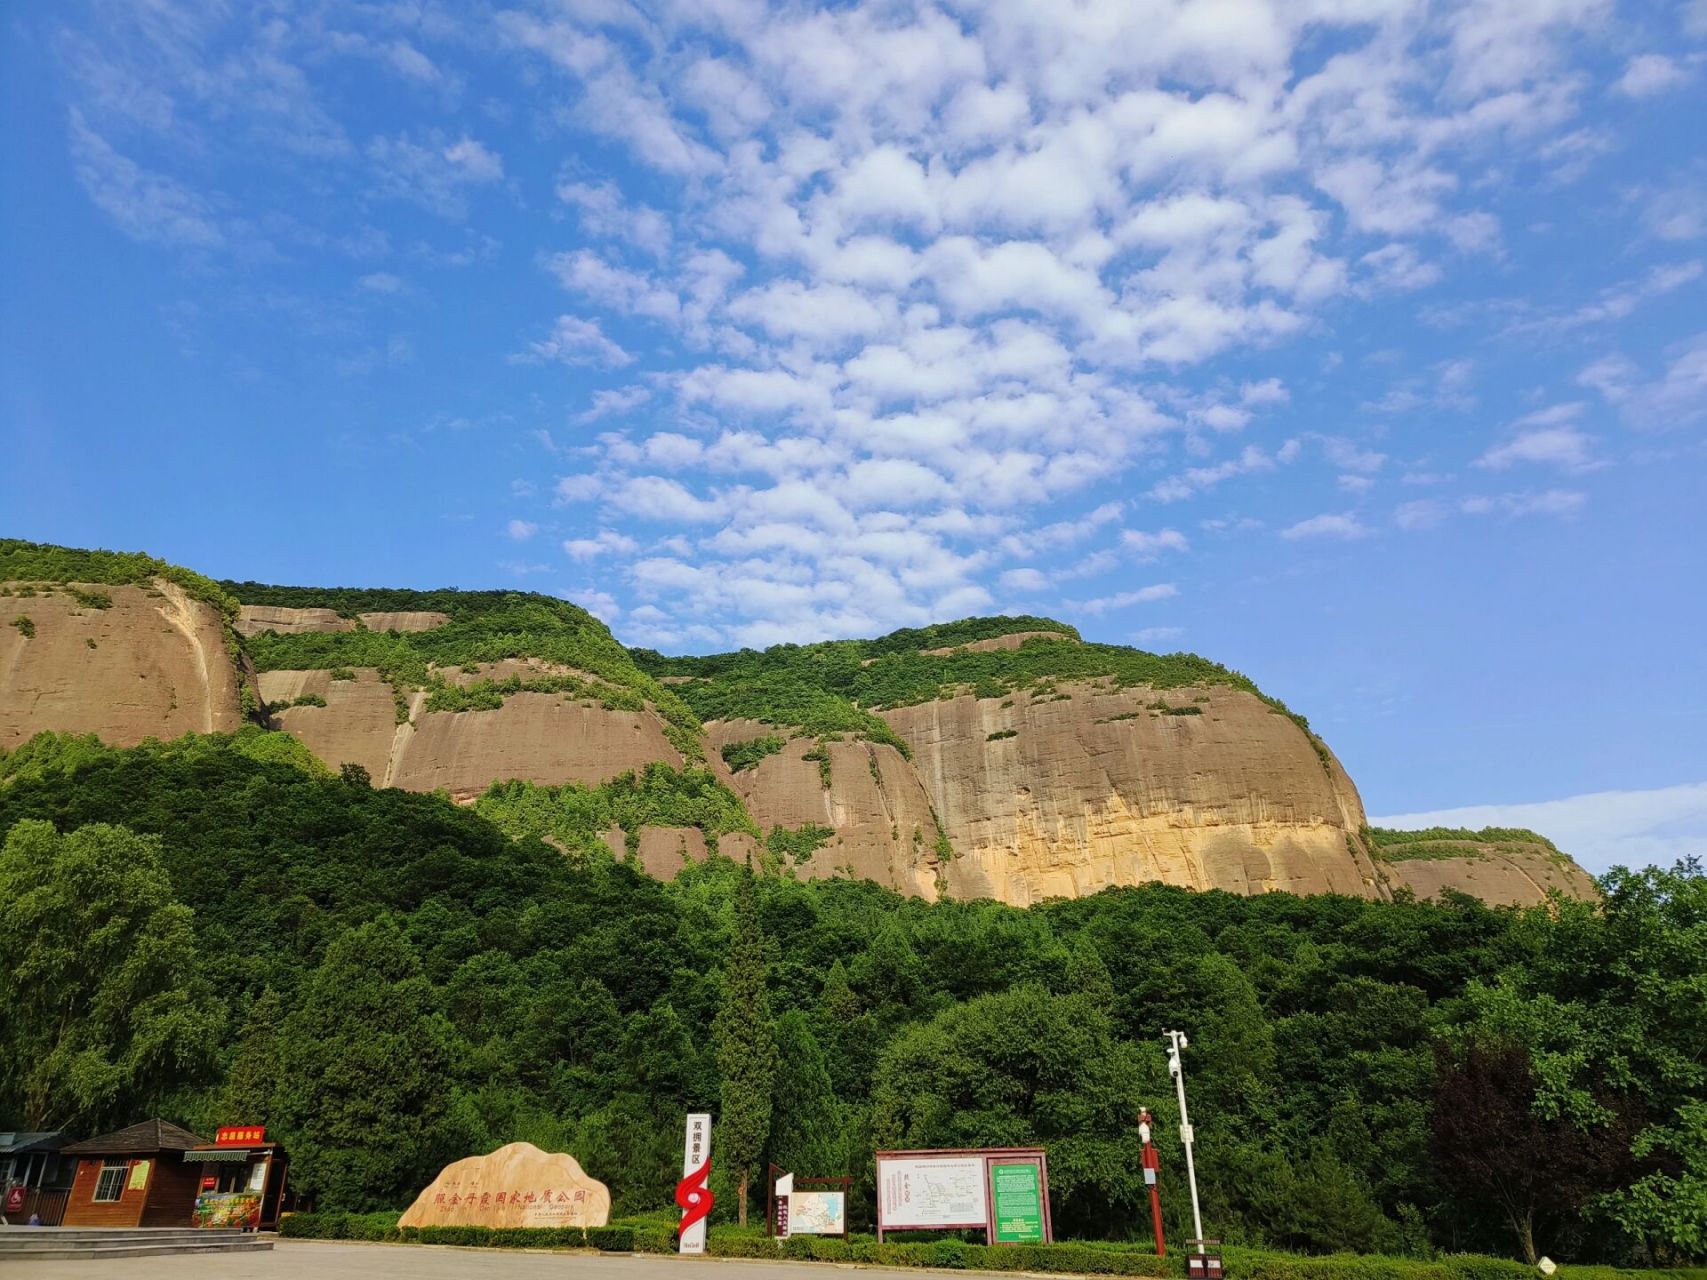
[{"x": 110, "y": 1185}]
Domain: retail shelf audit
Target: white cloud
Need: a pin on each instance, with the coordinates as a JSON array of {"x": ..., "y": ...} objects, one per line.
[
  {"x": 1147, "y": 636},
  {"x": 1344, "y": 526},
  {"x": 574, "y": 340},
  {"x": 1025, "y": 580},
  {"x": 1648, "y": 74},
  {"x": 1126, "y": 599},
  {"x": 1429, "y": 513},
  {"x": 1198, "y": 479},
  {"x": 1564, "y": 447},
  {"x": 146, "y": 206},
  {"x": 1601, "y": 829},
  {"x": 614, "y": 402},
  {"x": 1147, "y": 546},
  {"x": 521, "y": 530},
  {"x": 1676, "y": 399},
  {"x": 606, "y": 542},
  {"x": 905, "y": 296},
  {"x": 660, "y": 499},
  {"x": 605, "y": 213},
  {"x": 435, "y": 174}
]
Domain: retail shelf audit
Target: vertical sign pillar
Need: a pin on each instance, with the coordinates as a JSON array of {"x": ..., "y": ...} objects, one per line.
[{"x": 693, "y": 1192}]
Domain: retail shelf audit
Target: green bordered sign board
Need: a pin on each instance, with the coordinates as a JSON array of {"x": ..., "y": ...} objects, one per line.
[
  {"x": 1003, "y": 1190},
  {"x": 1016, "y": 1203}
]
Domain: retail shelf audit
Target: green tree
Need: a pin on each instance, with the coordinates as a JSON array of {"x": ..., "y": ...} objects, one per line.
[
  {"x": 365, "y": 1074},
  {"x": 1023, "y": 1068},
  {"x": 101, "y": 1011},
  {"x": 253, "y": 1077},
  {"x": 746, "y": 1048},
  {"x": 806, "y": 1123}
]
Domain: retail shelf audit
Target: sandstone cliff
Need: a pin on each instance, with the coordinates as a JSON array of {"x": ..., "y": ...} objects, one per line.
[
  {"x": 995, "y": 757},
  {"x": 1063, "y": 794},
  {"x": 1499, "y": 872},
  {"x": 123, "y": 662}
]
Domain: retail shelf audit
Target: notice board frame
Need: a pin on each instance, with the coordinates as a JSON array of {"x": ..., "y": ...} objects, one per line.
[{"x": 991, "y": 1156}]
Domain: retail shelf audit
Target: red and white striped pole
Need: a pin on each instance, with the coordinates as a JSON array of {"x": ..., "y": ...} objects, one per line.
[{"x": 1152, "y": 1169}]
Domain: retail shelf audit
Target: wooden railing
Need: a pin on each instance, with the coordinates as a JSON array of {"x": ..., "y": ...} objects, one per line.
[{"x": 49, "y": 1206}]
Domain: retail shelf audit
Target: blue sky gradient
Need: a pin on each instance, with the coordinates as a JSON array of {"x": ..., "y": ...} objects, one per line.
[{"x": 1358, "y": 345}]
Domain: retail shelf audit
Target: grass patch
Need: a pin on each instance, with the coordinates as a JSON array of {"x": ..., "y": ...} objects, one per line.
[
  {"x": 577, "y": 817},
  {"x": 800, "y": 843},
  {"x": 26, "y": 626},
  {"x": 1000, "y": 734},
  {"x": 748, "y": 752}
]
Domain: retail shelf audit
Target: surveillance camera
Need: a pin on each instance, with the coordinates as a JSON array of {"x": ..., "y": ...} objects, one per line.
[{"x": 1183, "y": 1042}]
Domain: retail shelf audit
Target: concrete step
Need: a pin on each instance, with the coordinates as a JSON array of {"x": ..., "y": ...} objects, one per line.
[
  {"x": 95, "y": 1252},
  {"x": 123, "y": 1242}
]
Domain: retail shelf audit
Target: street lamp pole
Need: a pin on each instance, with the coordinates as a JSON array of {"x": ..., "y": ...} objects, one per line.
[{"x": 1176, "y": 1042}]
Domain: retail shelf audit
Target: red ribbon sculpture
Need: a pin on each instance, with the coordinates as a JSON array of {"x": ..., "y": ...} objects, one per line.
[{"x": 694, "y": 1196}]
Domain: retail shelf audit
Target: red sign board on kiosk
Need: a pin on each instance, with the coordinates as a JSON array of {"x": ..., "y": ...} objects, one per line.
[{"x": 240, "y": 1135}]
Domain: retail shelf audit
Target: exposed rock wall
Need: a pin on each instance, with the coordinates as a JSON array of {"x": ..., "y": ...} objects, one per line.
[
  {"x": 152, "y": 665},
  {"x": 256, "y": 618},
  {"x": 548, "y": 738},
  {"x": 1057, "y": 792},
  {"x": 1500, "y": 875},
  {"x": 1095, "y": 788},
  {"x": 875, "y": 803}
]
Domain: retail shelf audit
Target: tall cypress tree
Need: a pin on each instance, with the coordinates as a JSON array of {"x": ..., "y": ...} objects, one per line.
[
  {"x": 746, "y": 1047},
  {"x": 806, "y": 1124}
]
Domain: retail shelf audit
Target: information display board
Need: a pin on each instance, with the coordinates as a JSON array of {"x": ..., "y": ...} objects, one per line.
[
  {"x": 817, "y": 1213},
  {"x": 1016, "y": 1203},
  {"x": 917, "y": 1191},
  {"x": 1003, "y": 1191}
]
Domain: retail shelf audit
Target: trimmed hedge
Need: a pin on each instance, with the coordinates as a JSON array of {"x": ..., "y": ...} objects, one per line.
[{"x": 383, "y": 1226}]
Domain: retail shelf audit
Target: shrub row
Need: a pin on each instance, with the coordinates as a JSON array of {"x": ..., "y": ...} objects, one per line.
[{"x": 383, "y": 1226}]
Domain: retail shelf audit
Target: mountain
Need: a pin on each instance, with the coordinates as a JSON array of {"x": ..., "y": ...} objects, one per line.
[{"x": 991, "y": 757}]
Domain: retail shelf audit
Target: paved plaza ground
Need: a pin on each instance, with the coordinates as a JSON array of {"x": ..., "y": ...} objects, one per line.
[{"x": 339, "y": 1260}]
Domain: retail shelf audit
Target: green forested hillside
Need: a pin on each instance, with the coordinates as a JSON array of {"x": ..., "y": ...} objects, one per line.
[
  {"x": 391, "y": 982},
  {"x": 833, "y": 687}
]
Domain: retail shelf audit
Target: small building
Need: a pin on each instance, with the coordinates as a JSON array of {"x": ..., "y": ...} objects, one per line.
[
  {"x": 34, "y": 1177},
  {"x": 134, "y": 1178},
  {"x": 241, "y": 1179}
]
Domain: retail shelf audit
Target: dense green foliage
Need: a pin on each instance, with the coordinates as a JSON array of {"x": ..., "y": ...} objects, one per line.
[
  {"x": 833, "y": 687},
  {"x": 797, "y": 844},
  {"x": 484, "y": 627},
  {"x": 748, "y": 752},
  {"x": 745, "y": 1047},
  {"x": 100, "y": 1003},
  {"x": 575, "y": 817},
  {"x": 22, "y": 561},
  {"x": 1390, "y": 842},
  {"x": 570, "y": 1001}
]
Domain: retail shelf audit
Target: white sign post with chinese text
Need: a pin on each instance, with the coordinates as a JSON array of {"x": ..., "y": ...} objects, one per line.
[{"x": 693, "y": 1193}]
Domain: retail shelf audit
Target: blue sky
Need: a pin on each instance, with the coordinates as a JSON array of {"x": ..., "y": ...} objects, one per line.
[{"x": 1359, "y": 345}]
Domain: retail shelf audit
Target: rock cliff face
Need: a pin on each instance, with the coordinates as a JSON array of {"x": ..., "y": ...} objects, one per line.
[
  {"x": 123, "y": 662},
  {"x": 1004, "y": 784},
  {"x": 1499, "y": 873},
  {"x": 1091, "y": 786}
]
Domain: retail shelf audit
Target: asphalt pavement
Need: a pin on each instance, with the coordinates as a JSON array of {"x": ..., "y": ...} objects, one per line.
[{"x": 344, "y": 1260}]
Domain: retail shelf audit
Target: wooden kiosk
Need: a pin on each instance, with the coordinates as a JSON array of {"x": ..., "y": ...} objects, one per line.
[
  {"x": 133, "y": 1178},
  {"x": 240, "y": 1179}
]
